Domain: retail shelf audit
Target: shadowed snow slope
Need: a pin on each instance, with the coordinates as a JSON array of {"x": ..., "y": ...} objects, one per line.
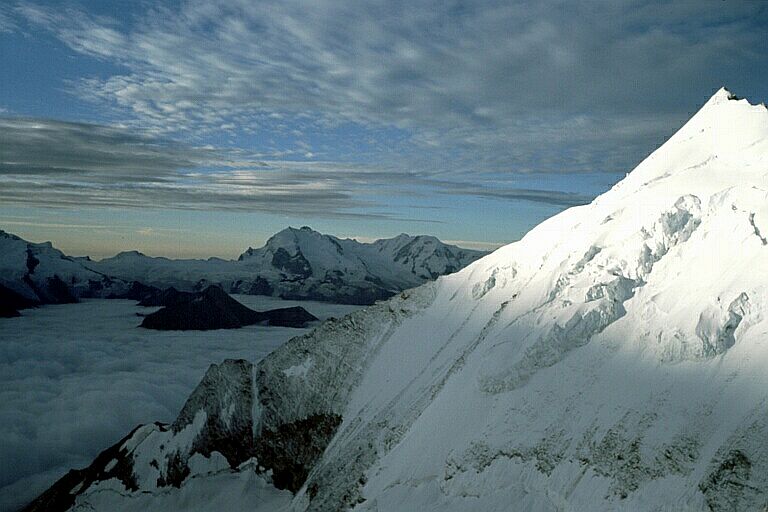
[
  {"x": 613, "y": 359},
  {"x": 40, "y": 274}
]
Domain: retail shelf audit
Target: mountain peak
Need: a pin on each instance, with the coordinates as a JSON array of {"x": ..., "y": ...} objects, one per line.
[
  {"x": 302, "y": 229},
  {"x": 720, "y": 143},
  {"x": 724, "y": 96},
  {"x": 129, "y": 254},
  {"x": 721, "y": 96}
]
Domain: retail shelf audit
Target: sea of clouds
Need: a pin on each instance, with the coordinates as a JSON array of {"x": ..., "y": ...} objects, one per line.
[{"x": 76, "y": 378}]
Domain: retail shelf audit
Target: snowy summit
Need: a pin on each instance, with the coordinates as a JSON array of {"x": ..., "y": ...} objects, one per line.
[{"x": 612, "y": 359}]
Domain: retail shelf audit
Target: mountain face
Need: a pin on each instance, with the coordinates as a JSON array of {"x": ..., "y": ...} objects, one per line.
[
  {"x": 305, "y": 265},
  {"x": 613, "y": 359},
  {"x": 32, "y": 274}
]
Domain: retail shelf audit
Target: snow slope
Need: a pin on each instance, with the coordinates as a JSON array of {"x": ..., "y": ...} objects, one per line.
[
  {"x": 304, "y": 264},
  {"x": 613, "y": 359},
  {"x": 43, "y": 274}
]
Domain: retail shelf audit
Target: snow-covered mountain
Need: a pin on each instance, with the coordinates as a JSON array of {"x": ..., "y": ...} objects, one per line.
[
  {"x": 40, "y": 274},
  {"x": 613, "y": 359},
  {"x": 297, "y": 264},
  {"x": 304, "y": 264}
]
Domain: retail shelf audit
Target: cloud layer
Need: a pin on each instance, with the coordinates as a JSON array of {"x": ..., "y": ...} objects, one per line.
[
  {"x": 67, "y": 371},
  {"x": 59, "y": 164},
  {"x": 547, "y": 86},
  {"x": 75, "y": 165}
]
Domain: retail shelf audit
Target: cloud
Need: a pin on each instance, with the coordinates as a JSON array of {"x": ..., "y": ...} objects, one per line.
[
  {"x": 43, "y": 147},
  {"x": 60, "y": 164},
  {"x": 7, "y": 222},
  {"x": 550, "y": 197},
  {"x": 51, "y": 163},
  {"x": 473, "y": 244},
  {"x": 546, "y": 86},
  {"x": 7, "y": 20},
  {"x": 65, "y": 371},
  {"x": 342, "y": 103}
]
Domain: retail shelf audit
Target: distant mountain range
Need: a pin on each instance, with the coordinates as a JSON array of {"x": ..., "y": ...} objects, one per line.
[{"x": 294, "y": 264}]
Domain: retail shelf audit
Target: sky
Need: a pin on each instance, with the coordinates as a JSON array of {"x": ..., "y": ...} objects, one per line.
[{"x": 199, "y": 128}]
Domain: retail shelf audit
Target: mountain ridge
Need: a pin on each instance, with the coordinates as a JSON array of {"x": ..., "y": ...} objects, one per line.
[
  {"x": 305, "y": 264},
  {"x": 338, "y": 270}
]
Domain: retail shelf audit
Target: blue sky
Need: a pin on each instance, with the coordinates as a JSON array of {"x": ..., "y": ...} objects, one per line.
[{"x": 198, "y": 128}]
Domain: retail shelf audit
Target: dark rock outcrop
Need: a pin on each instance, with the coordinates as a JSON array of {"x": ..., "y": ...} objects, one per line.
[
  {"x": 257, "y": 286},
  {"x": 727, "y": 487},
  {"x": 166, "y": 298},
  {"x": 214, "y": 309},
  {"x": 296, "y": 264},
  {"x": 292, "y": 449},
  {"x": 11, "y": 302},
  {"x": 54, "y": 291}
]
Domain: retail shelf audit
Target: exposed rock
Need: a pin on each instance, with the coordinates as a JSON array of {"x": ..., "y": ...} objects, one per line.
[
  {"x": 295, "y": 264},
  {"x": 168, "y": 297},
  {"x": 257, "y": 286},
  {"x": 291, "y": 449},
  {"x": 214, "y": 309},
  {"x": 726, "y": 486},
  {"x": 56, "y": 292},
  {"x": 11, "y": 302},
  {"x": 225, "y": 395}
]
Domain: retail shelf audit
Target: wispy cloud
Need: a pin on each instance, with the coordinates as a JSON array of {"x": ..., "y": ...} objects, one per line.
[
  {"x": 7, "y": 20},
  {"x": 473, "y": 244},
  {"x": 6, "y": 222},
  {"x": 75, "y": 165},
  {"x": 551, "y": 197},
  {"x": 423, "y": 98},
  {"x": 58, "y": 164},
  {"x": 543, "y": 86}
]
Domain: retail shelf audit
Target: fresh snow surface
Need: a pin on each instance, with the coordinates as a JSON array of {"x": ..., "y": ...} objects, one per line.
[
  {"x": 75, "y": 378},
  {"x": 613, "y": 359}
]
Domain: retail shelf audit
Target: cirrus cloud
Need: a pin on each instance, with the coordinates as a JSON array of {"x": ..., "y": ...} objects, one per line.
[
  {"x": 73, "y": 165},
  {"x": 547, "y": 86}
]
